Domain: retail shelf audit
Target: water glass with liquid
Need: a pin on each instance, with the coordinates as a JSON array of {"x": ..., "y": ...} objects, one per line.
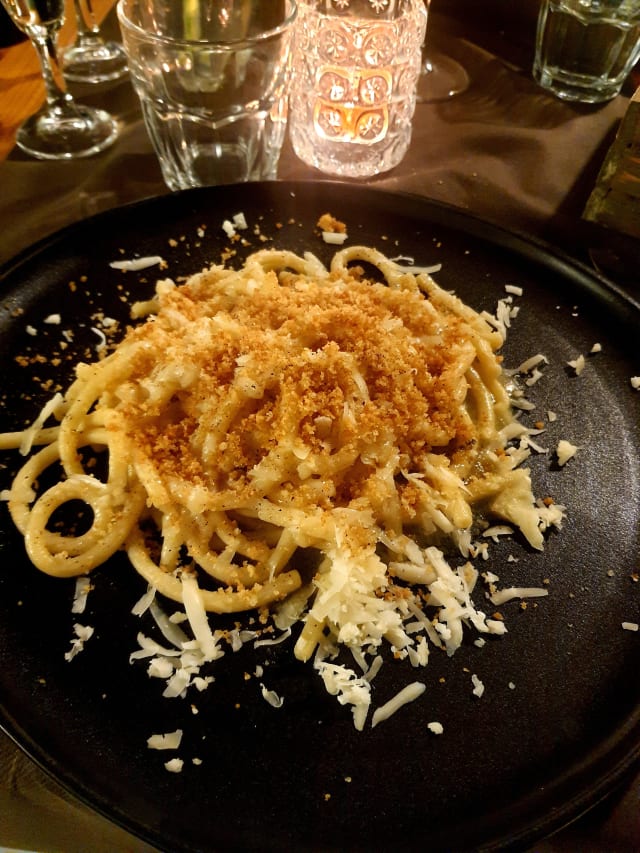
[
  {"x": 213, "y": 80},
  {"x": 353, "y": 93},
  {"x": 585, "y": 49}
]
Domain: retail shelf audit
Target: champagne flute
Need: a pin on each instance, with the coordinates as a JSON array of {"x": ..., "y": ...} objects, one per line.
[
  {"x": 441, "y": 77},
  {"x": 62, "y": 129},
  {"x": 91, "y": 59}
]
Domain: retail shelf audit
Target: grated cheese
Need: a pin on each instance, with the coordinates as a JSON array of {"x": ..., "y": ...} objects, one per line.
[
  {"x": 198, "y": 618},
  {"x": 273, "y": 641},
  {"x": 578, "y": 364},
  {"x": 237, "y": 223},
  {"x": 136, "y": 264},
  {"x": 478, "y": 686},
  {"x": 565, "y": 451},
  {"x": 50, "y": 408},
  {"x": 171, "y": 740},
  {"x": 342, "y": 682},
  {"x": 509, "y": 593},
  {"x": 408, "y": 694},
  {"x": 271, "y": 697},
  {"x": 82, "y": 634},
  {"x": 82, "y": 589},
  {"x": 334, "y": 238},
  {"x": 102, "y": 342}
]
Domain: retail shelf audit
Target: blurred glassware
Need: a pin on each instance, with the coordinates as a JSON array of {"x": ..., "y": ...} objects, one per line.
[
  {"x": 441, "y": 76},
  {"x": 62, "y": 129},
  {"x": 9, "y": 33},
  {"x": 91, "y": 59}
]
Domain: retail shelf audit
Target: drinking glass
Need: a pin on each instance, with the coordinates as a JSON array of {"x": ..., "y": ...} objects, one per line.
[
  {"x": 585, "y": 49},
  {"x": 441, "y": 77},
  {"x": 212, "y": 80},
  {"x": 91, "y": 59},
  {"x": 62, "y": 129},
  {"x": 356, "y": 64}
]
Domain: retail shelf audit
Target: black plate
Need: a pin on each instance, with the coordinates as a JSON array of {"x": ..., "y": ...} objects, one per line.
[{"x": 559, "y": 722}]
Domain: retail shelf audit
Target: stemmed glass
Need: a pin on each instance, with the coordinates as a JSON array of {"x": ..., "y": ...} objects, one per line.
[
  {"x": 91, "y": 59},
  {"x": 62, "y": 129},
  {"x": 441, "y": 76}
]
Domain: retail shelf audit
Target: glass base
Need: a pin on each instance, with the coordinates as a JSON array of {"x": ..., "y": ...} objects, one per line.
[
  {"x": 441, "y": 78},
  {"x": 93, "y": 60},
  {"x": 576, "y": 87},
  {"x": 78, "y": 131}
]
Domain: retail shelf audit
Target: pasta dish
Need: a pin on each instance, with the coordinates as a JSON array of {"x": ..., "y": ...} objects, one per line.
[{"x": 290, "y": 436}]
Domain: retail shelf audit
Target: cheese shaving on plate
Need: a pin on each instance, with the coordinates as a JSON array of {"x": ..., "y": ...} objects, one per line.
[
  {"x": 171, "y": 740},
  {"x": 408, "y": 694},
  {"x": 137, "y": 264}
]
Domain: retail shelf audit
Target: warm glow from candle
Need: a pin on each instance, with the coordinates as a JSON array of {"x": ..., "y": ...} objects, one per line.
[
  {"x": 354, "y": 83},
  {"x": 353, "y": 95}
]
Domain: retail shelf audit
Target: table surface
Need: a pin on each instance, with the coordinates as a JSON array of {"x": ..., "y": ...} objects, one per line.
[{"x": 504, "y": 150}]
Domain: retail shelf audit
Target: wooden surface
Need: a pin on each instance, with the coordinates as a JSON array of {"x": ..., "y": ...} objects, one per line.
[{"x": 21, "y": 85}]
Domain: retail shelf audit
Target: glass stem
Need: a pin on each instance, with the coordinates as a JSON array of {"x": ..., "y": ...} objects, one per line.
[
  {"x": 87, "y": 25},
  {"x": 44, "y": 42}
]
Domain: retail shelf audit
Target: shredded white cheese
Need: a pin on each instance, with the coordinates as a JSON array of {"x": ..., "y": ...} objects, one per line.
[
  {"x": 577, "y": 364},
  {"x": 503, "y": 595},
  {"x": 342, "y": 682},
  {"x": 273, "y": 641},
  {"x": 136, "y": 264},
  {"x": 82, "y": 589},
  {"x": 408, "y": 694},
  {"x": 478, "y": 686},
  {"x": 565, "y": 451},
  {"x": 198, "y": 617},
  {"x": 171, "y": 740},
  {"x": 83, "y": 633},
  {"x": 630, "y": 626},
  {"x": 50, "y": 408},
  {"x": 496, "y": 531},
  {"x": 334, "y": 238},
  {"x": 237, "y": 223},
  {"x": 102, "y": 342},
  {"x": 143, "y": 603},
  {"x": 271, "y": 697}
]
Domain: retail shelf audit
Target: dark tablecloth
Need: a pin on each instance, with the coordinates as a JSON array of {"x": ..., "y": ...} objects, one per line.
[{"x": 504, "y": 150}]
